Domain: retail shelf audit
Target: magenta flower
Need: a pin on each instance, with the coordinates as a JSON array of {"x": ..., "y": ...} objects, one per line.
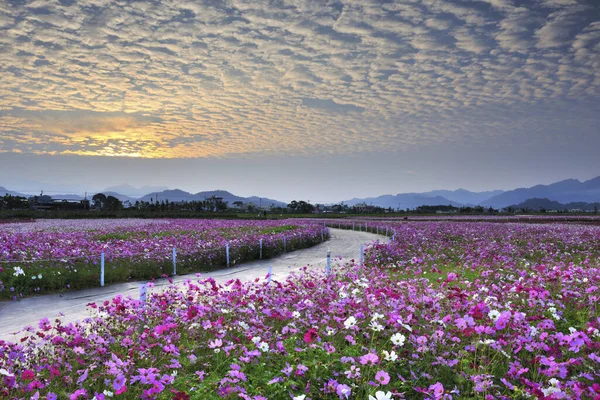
[
  {"x": 382, "y": 377},
  {"x": 437, "y": 390}
]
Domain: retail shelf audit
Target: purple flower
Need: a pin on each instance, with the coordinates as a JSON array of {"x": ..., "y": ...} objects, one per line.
[
  {"x": 119, "y": 382},
  {"x": 343, "y": 391},
  {"x": 369, "y": 358}
]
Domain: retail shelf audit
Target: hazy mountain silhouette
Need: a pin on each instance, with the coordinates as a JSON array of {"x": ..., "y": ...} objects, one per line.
[
  {"x": 567, "y": 191},
  {"x": 178, "y": 195},
  {"x": 549, "y": 205},
  {"x": 131, "y": 191}
]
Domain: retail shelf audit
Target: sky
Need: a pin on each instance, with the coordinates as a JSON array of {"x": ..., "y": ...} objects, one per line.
[{"x": 292, "y": 99}]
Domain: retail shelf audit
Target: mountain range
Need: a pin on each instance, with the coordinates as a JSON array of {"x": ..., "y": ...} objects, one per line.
[
  {"x": 178, "y": 195},
  {"x": 563, "y": 192},
  {"x": 547, "y": 204},
  {"x": 567, "y": 191}
]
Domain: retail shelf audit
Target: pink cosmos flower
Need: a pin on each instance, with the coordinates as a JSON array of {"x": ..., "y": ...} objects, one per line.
[
  {"x": 437, "y": 389},
  {"x": 311, "y": 335},
  {"x": 369, "y": 358},
  {"x": 382, "y": 377}
]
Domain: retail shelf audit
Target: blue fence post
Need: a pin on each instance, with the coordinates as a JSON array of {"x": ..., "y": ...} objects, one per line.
[
  {"x": 260, "y": 243},
  {"x": 174, "y": 261},
  {"x": 269, "y": 274},
  {"x": 328, "y": 268},
  {"x": 322, "y": 239},
  {"x": 102, "y": 269},
  {"x": 386, "y": 231},
  {"x": 227, "y": 253},
  {"x": 353, "y": 226},
  {"x": 362, "y": 255},
  {"x": 284, "y": 244}
]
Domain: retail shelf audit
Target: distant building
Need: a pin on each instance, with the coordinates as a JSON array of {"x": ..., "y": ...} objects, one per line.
[
  {"x": 365, "y": 208},
  {"x": 45, "y": 202}
]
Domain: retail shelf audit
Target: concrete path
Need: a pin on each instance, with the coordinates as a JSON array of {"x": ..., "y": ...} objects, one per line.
[{"x": 27, "y": 312}]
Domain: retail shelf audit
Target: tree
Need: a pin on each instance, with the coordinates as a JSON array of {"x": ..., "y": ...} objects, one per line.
[
  {"x": 293, "y": 205},
  {"x": 113, "y": 204},
  {"x": 99, "y": 200}
]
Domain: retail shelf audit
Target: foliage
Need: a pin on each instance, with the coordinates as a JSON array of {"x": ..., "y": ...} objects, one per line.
[
  {"x": 57, "y": 255},
  {"x": 445, "y": 311}
]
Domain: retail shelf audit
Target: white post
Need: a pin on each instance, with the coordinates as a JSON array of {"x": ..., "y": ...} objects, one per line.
[
  {"x": 143, "y": 292},
  {"x": 328, "y": 269},
  {"x": 174, "y": 261},
  {"x": 260, "y": 248},
  {"x": 102, "y": 269},
  {"x": 386, "y": 231},
  {"x": 227, "y": 253},
  {"x": 270, "y": 273},
  {"x": 362, "y": 255}
]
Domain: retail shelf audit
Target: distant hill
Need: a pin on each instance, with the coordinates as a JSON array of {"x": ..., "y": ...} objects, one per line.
[
  {"x": 567, "y": 191},
  {"x": 550, "y": 205},
  {"x": 131, "y": 191},
  {"x": 464, "y": 196},
  {"x": 4, "y": 191},
  {"x": 120, "y": 196},
  {"x": 403, "y": 201},
  {"x": 178, "y": 195}
]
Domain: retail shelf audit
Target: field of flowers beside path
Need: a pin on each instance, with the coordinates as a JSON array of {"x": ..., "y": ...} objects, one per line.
[
  {"x": 48, "y": 256},
  {"x": 444, "y": 311},
  {"x": 14, "y": 316}
]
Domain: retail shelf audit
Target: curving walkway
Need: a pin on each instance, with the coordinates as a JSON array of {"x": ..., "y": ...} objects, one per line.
[{"x": 14, "y": 316}]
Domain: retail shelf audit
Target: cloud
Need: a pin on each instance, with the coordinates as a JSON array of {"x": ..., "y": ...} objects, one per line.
[
  {"x": 183, "y": 78},
  {"x": 330, "y": 105}
]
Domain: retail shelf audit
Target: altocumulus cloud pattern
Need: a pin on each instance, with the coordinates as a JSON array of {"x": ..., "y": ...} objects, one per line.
[{"x": 185, "y": 79}]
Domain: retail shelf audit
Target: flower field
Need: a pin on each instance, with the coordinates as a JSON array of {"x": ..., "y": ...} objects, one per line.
[
  {"x": 55, "y": 255},
  {"x": 445, "y": 311}
]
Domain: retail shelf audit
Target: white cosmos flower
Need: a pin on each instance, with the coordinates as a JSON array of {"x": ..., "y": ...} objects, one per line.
[
  {"x": 391, "y": 356},
  {"x": 494, "y": 314},
  {"x": 376, "y": 326},
  {"x": 377, "y": 316},
  {"x": 18, "y": 271},
  {"x": 398, "y": 339},
  {"x": 350, "y": 322},
  {"x": 263, "y": 346},
  {"x": 381, "y": 396},
  {"x": 301, "y": 397}
]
